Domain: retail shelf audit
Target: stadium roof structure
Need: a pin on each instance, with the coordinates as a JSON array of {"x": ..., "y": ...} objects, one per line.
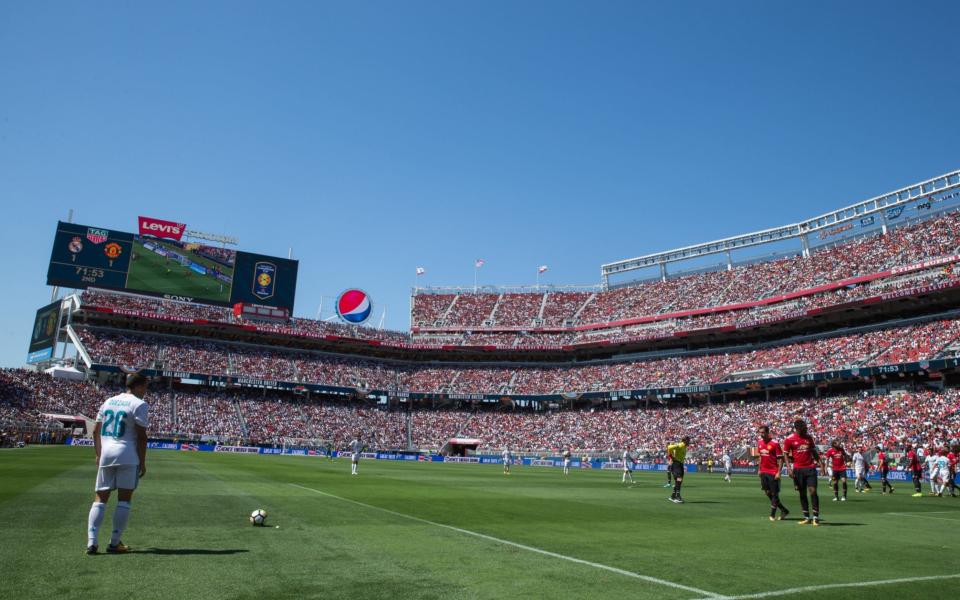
[{"x": 917, "y": 192}]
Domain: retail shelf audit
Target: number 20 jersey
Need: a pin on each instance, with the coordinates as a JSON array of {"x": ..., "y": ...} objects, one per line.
[{"x": 118, "y": 436}]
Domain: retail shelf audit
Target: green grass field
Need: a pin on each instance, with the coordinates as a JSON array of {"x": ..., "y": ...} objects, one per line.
[
  {"x": 148, "y": 272},
  {"x": 422, "y": 530}
]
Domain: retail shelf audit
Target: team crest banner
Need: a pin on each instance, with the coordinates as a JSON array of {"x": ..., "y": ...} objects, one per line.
[{"x": 264, "y": 279}]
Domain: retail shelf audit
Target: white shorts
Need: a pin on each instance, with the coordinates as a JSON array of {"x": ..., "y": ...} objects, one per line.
[
  {"x": 122, "y": 477},
  {"x": 858, "y": 473}
]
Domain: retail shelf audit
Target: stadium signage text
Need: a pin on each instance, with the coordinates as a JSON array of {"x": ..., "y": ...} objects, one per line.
[
  {"x": 160, "y": 228},
  {"x": 238, "y": 449},
  {"x": 835, "y": 231}
]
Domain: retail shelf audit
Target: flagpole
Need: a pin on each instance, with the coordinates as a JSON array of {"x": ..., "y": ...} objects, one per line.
[
  {"x": 538, "y": 279},
  {"x": 475, "y": 269}
]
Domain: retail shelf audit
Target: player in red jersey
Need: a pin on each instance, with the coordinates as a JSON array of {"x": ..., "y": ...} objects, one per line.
[
  {"x": 838, "y": 458},
  {"x": 884, "y": 469},
  {"x": 804, "y": 462},
  {"x": 916, "y": 470},
  {"x": 771, "y": 464}
]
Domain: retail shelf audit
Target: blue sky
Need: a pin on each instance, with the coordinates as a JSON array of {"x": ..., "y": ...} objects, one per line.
[{"x": 375, "y": 137}]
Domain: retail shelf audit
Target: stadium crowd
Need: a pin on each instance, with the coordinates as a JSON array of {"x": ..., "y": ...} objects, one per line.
[
  {"x": 875, "y": 253},
  {"x": 511, "y": 311},
  {"x": 860, "y": 420},
  {"x": 919, "y": 341}
]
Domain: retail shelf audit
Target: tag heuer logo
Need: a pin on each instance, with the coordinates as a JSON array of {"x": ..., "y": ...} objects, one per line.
[{"x": 97, "y": 236}]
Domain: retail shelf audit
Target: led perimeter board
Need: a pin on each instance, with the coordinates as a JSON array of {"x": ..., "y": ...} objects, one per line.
[{"x": 85, "y": 257}]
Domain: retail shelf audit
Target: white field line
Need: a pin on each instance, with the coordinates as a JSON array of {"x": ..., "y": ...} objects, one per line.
[
  {"x": 833, "y": 586},
  {"x": 490, "y": 538},
  {"x": 924, "y": 516}
]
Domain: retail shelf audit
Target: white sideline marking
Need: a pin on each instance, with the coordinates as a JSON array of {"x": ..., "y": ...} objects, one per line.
[
  {"x": 925, "y": 516},
  {"x": 831, "y": 586},
  {"x": 490, "y": 538}
]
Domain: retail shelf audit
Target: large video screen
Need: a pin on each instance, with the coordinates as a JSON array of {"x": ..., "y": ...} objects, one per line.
[
  {"x": 85, "y": 257},
  {"x": 43, "y": 337}
]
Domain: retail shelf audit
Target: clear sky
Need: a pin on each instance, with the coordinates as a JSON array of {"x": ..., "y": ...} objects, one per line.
[{"x": 376, "y": 137}]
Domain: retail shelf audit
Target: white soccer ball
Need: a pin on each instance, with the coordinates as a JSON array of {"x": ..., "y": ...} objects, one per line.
[{"x": 258, "y": 517}]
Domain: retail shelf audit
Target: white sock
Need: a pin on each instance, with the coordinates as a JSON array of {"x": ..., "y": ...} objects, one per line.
[
  {"x": 97, "y": 512},
  {"x": 120, "y": 516}
]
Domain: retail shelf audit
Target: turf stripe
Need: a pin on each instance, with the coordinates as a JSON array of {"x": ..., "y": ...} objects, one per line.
[
  {"x": 490, "y": 538},
  {"x": 924, "y": 516},
  {"x": 832, "y": 586}
]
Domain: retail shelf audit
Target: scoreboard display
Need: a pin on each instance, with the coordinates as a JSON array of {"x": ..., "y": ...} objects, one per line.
[
  {"x": 85, "y": 257},
  {"x": 89, "y": 257}
]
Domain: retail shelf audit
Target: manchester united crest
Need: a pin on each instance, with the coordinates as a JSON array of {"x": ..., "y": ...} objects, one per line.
[{"x": 113, "y": 251}]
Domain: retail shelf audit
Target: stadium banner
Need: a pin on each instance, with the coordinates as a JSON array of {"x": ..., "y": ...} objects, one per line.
[
  {"x": 238, "y": 449},
  {"x": 893, "y": 475},
  {"x": 162, "y": 445},
  {"x": 167, "y": 267},
  {"x": 397, "y": 456},
  {"x": 43, "y": 337},
  {"x": 160, "y": 228}
]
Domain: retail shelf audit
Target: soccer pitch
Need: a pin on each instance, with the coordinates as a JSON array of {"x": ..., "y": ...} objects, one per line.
[
  {"x": 151, "y": 272},
  {"x": 430, "y": 530}
]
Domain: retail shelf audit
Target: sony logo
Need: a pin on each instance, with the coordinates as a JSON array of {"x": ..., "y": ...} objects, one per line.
[{"x": 180, "y": 298}]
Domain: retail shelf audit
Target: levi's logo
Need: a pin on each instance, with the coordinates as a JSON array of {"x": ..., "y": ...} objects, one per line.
[{"x": 160, "y": 227}]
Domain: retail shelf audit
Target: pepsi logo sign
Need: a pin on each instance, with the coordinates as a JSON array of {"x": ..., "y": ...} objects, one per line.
[{"x": 354, "y": 306}]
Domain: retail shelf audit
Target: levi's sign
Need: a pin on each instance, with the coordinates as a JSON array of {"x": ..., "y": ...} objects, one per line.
[{"x": 160, "y": 228}]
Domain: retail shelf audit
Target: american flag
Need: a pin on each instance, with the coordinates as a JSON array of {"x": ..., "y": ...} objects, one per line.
[
  {"x": 421, "y": 270},
  {"x": 542, "y": 269},
  {"x": 479, "y": 263}
]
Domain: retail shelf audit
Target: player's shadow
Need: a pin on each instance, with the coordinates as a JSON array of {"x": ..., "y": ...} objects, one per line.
[
  {"x": 190, "y": 551},
  {"x": 835, "y": 524}
]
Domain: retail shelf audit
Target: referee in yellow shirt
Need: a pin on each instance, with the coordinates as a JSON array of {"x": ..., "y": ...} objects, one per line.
[{"x": 677, "y": 453}]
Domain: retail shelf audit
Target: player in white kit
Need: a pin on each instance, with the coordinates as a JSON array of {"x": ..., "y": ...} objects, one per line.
[
  {"x": 120, "y": 442},
  {"x": 943, "y": 471},
  {"x": 727, "y": 467},
  {"x": 930, "y": 459},
  {"x": 627, "y": 467},
  {"x": 507, "y": 459},
  {"x": 860, "y": 471},
  {"x": 356, "y": 447},
  {"x": 566, "y": 461}
]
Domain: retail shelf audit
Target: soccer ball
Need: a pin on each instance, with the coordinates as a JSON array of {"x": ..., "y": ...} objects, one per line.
[{"x": 258, "y": 517}]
